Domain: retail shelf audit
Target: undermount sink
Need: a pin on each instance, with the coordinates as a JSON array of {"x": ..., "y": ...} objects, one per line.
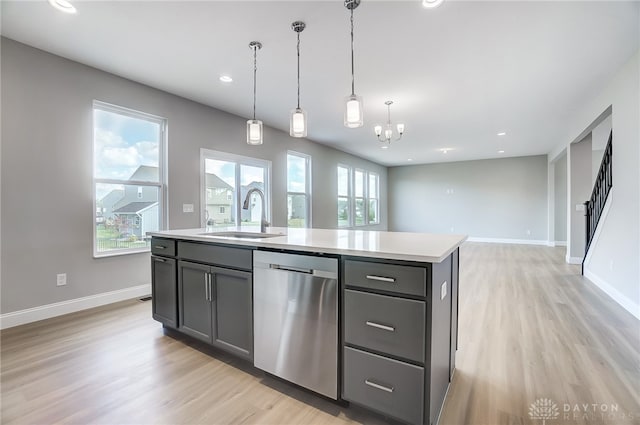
[{"x": 242, "y": 235}]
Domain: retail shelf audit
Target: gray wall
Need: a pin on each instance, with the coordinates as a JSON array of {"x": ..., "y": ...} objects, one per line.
[
  {"x": 496, "y": 198},
  {"x": 47, "y": 173},
  {"x": 560, "y": 202},
  {"x": 579, "y": 191}
]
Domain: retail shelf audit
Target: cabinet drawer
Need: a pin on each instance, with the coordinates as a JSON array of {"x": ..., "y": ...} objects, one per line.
[
  {"x": 215, "y": 254},
  {"x": 387, "y": 277},
  {"x": 164, "y": 247},
  {"x": 388, "y": 386},
  {"x": 386, "y": 324}
]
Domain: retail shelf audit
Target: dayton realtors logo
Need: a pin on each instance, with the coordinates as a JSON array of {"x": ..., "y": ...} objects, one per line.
[{"x": 544, "y": 409}]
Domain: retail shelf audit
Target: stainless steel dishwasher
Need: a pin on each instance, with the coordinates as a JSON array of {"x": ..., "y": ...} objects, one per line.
[{"x": 295, "y": 319}]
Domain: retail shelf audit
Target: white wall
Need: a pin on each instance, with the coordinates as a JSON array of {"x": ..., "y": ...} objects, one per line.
[
  {"x": 614, "y": 259},
  {"x": 580, "y": 186},
  {"x": 560, "y": 198},
  {"x": 492, "y": 199},
  {"x": 46, "y": 168},
  {"x": 599, "y": 139}
]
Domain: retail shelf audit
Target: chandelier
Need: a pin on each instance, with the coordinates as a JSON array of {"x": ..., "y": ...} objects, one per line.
[{"x": 387, "y": 137}]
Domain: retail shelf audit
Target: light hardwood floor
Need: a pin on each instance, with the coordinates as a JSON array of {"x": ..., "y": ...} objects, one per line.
[{"x": 530, "y": 327}]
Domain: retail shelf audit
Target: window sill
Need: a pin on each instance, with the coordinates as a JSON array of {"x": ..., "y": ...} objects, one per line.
[{"x": 121, "y": 252}]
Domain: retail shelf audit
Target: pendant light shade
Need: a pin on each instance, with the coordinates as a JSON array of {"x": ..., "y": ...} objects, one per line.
[
  {"x": 353, "y": 116},
  {"x": 298, "y": 120},
  {"x": 254, "y": 126},
  {"x": 298, "y": 123},
  {"x": 254, "y": 132}
]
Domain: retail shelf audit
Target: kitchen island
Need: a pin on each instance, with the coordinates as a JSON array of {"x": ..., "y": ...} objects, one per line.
[{"x": 364, "y": 316}]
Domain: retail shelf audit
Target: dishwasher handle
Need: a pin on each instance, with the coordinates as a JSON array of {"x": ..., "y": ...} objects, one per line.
[
  {"x": 311, "y": 272},
  {"x": 290, "y": 269}
]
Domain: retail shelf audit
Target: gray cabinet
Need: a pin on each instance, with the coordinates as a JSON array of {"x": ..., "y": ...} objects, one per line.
[
  {"x": 215, "y": 306},
  {"x": 164, "y": 296},
  {"x": 397, "y": 337}
]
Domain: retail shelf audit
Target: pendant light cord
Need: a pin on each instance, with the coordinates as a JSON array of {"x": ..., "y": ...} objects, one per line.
[
  {"x": 298, "y": 47},
  {"x": 389, "y": 115},
  {"x": 255, "y": 70},
  {"x": 353, "y": 90}
]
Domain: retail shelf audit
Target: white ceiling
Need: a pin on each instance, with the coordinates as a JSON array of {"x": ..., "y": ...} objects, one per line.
[{"x": 458, "y": 74}]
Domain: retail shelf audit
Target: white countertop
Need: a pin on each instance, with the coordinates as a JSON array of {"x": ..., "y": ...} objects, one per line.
[{"x": 422, "y": 247}]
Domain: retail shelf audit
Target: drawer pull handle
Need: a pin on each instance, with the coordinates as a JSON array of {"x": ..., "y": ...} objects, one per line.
[
  {"x": 160, "y": 260},
  {"x": 380, "y": 326},
  {"x": 378, "y": 386},
  {"x": 160, "y": 247},
  {"x": 381, "y": 278}
]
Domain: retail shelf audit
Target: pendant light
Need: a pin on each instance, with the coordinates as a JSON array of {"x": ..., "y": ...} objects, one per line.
[
  {"x": 388, "y": 131},
  {"x": 254, "y": 126},
  {"x": 298, "y": 122},
  {"x": 353, "y": 103}
]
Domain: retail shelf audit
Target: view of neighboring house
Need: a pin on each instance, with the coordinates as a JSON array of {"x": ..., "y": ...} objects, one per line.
[
  {"x": 133, "y": 210},
  {"x": 219, "y": 201}
]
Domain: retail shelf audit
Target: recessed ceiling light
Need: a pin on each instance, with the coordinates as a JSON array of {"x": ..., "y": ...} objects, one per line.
[
  {"x": 409, "y": 159},
  {"x": 384, "y": 147},
  {"x": 501, "y": 151},
  {"x": 63, "y": 6},
  {"x": 445, "y": 150},
  {"x": 430, "y": 4},
  {"x": 226, "y": 79},
  {"x": 502, "y": 134}
]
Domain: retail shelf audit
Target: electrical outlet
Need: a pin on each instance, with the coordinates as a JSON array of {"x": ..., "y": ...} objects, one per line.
[
  {"x": 443, "y": 290},
  {"x": 61, "y": 279},
  {"x": 528, "y": 232},
  {"x": 187, "y": 208},
  {"x": 451, "y": 229}
]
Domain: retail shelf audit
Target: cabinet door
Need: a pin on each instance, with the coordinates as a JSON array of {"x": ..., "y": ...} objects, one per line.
[
  {"x": 164, "y": 290},
  {"x": 194, "y": 304},
  {"x": 232, "y": 312}
]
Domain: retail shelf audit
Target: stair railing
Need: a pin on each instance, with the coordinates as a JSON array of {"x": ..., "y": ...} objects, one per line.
[{"x": 595, "y": 205}]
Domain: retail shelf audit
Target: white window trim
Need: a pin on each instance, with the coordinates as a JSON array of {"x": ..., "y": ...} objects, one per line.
[
  {"x": 351, "y": 198},
  {"x": 162, "y": 175},
  {"x": 368, "y": 201},
  {"x": 364, "y": 197},
  {"x": 308, "y": 186},
  {"x": 350, "y": 201},
  {"x": 239, "y": 160}
]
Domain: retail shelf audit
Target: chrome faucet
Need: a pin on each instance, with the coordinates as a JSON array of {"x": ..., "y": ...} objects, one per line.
[{"x": 245, "y": 206}]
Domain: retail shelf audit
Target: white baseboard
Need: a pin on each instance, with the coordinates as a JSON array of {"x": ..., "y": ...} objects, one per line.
[
  {"x": 560, "y": 243},
  {"x": 612, "y": 292},
  {"x": 21, "y": 317},
  {"x": 512, "y": 241},
  {"x": 573, "y": 260}
]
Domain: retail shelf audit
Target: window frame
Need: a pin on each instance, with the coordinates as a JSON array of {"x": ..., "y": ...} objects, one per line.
[
  {"x": 350, "y": 206},
  {"x": 307, "y": 192},
  {"x": 369, "y": 198},
  {"x": 239, "y": 160},
  {"x": 161, "y": 185},
  {"x": 352, "y": 198}
]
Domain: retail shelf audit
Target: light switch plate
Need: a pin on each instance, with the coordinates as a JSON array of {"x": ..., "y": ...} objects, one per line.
[
  {"x": 443, "y": 290},
  {"x": 61, "y": 279},
  {"x": 187, "y": 208},
  {"x": 579, "y": 207}
]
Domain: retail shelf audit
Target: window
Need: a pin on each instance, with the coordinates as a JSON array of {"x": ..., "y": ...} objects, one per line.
[
  {"x": 358, "y": 197},
  {"x": 344, "y": 196},
  {"x": 226, "y": 179},
  {"x": 128, "y": 177},
  {"x": 374, "y": 199},
  {"x": 360, "y": 208},
  {"x": 298, "y": 190}
]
